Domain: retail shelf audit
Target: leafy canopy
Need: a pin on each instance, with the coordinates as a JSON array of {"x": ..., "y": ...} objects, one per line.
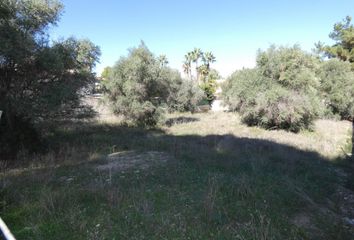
[
  {"x": 203, "y": 74},
  {"x": 343, "y": 35},
  {"x": 280, "y": 92},
  {"x": 141, "y": 87},
  {"x": 38, "y": 78},
  {"x": 337, "y": 82},
  {"x": 337, "y": 86}
]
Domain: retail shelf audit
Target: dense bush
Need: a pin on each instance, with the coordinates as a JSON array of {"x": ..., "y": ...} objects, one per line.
[
  {"x": 240, "y": 90},
  {"x": 184, "y": 95},
  {"x": 39, "y": 79},
  {"x": 337, "y": 85},
  {"x": 280, "y": 92},
  {"x": 141, "y": 88},
  {"x": 281, "y": 108}
]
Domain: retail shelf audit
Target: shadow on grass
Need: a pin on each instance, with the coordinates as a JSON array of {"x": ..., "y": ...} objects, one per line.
[
  {"x": 228, "y": 179},
  {"x": 216, "y": 150},
  {"x": 224, "y": 152},
  {"x": 179, "y": 120}
]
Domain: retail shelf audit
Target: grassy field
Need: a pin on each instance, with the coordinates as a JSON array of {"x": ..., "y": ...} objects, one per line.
[{"x": 200, "y": 176}]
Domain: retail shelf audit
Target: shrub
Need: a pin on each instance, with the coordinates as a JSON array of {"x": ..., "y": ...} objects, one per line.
[
  {"x": 141, "y": 88},
  {"x": 280, "y": 92},
  {"x": 337, "y": 85},
  {"x": 184, "y": 96},
  {"x": 240, "y": 90},
  {"x": 281, "y": 108}
]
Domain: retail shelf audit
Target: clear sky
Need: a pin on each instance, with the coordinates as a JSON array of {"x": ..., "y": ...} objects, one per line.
[{"x": 233, "y": 30}]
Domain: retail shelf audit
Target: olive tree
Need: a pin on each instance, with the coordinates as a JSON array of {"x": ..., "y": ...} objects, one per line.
[
  {"x": 141, "y": 87},
  {"x": 337, "y": 80},
  {"x": 337, "y": 85},
  {"x": 280, "y": 92},
  {"x": 39, "y": 79}
]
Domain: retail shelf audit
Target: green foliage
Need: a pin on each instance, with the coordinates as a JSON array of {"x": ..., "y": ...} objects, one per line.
[
  {"x": 184, "y": 95},
  {"x": 281, "y": 92},
  {"x": 209, "y": 84},
  {"x": 106, "y": 72},
  {"x": 199, "y": 71},
  {"x": 240, "y": 90},
  {"x": 337, "y": 82},
  {"x": 290, "y": 67},
  {"x": 281, "y": 108},
  {"x": 343, "y": 35},
  {"x": 337, "y": 85},
  {"x": 141, "y": 87},
  {"x": 204, "y": 75},
  {"x": 39, "y": 79}
]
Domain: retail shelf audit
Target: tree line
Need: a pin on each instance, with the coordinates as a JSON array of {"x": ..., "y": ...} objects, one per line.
[
  {"x": 42, "y": 80},
  {"x": 289, "y": 87}
]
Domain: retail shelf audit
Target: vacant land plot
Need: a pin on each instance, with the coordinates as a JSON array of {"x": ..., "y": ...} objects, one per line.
[{"x": 200, "y": 176}]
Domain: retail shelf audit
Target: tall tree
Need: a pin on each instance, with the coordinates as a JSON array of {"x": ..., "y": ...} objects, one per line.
[
  {"x": 140, "y": 88},
  {"x": 208, "y": 57},
  {"x": 37, "y": 78},
  {"x": 196, "y": 55},
  {"x": 343, "y": 35},
  {"x": 204, "y": 70},
  {"x": 343, "y": 49},
  {"x": 187, "y": 65},
  {"x": 204, "y": 75}
]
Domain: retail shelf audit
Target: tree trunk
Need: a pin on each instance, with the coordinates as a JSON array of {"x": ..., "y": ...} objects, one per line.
[{"x": 196, "y": 69}]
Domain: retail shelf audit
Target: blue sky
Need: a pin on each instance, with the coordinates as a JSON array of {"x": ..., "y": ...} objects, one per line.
[{"x": 232, "y": 30}]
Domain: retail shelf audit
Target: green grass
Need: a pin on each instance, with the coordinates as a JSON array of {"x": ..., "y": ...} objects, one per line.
[{"x": 215, "y": 186}]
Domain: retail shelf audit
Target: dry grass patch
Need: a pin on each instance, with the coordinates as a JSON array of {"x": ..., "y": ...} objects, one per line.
[{"x": 328, "y": 137}]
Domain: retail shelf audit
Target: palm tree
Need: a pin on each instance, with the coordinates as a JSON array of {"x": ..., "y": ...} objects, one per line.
[
  {"x": 162, "y": 59},
  {"x": 187, "y": 65},
  {"x": 186, "y": 68},
  {"x": 203, "y": 71},
  {"x": 196, "y": 54},
  {"x": 208, "y": 57}
]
